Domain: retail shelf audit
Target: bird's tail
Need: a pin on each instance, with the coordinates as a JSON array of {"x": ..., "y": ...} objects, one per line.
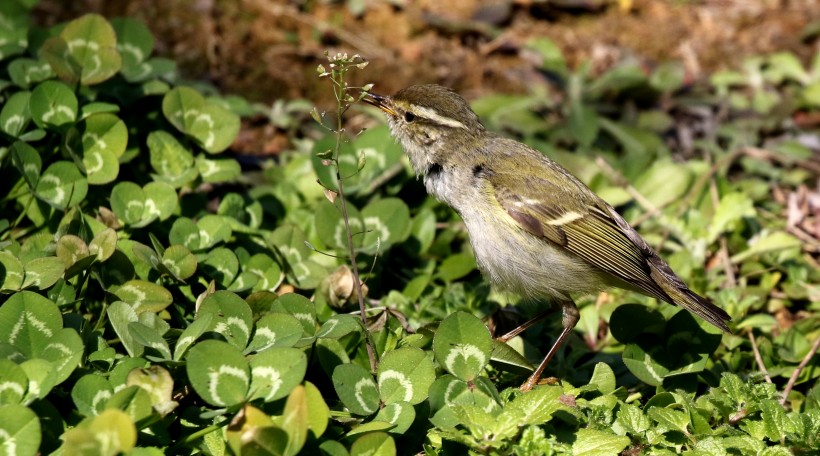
[{"x": 703, "y": 307}]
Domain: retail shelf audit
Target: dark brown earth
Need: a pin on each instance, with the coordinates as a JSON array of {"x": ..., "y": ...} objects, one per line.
[{"x": 267, "y": 49}]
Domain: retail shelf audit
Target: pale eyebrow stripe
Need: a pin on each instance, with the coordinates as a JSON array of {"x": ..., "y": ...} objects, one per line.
[{"x": 431, "y": 114}]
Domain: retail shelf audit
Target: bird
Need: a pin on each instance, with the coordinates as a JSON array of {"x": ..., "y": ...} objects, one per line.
[{"x": 535, "y": 229}]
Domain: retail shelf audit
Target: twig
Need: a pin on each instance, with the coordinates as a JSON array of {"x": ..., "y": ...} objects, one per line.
[
  {"x": 758, "y": 358},
  {"x": 796, "y": 373},
  {"x": 725, "y": 258}
]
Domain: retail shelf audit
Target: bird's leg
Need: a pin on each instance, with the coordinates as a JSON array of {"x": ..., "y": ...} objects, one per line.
[
  {"x": 525, "y": 326},
  {"x": 571, "y": 317}
]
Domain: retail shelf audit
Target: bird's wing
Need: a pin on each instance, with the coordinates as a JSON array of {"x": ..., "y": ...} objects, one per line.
[{"x": 587, "y": 230}]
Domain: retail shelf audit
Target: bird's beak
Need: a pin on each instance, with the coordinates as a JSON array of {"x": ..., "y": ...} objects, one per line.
[{"x": 380, "y": 101}]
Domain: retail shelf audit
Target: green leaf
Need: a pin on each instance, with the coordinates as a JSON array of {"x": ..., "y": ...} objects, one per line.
[
  {"x": 664, "y": 182},
  {"x": 62, "y": 185},
  {"x": 219, "y": 170},
  {"x": 603, "y": 378},
  {"x": 231, "y": 317},
  {"x": 400, "y": 414},
  {"x": 90, "y": 394},
  {"x": 179, "y": 261},
  {"x": 53, "y": 105},
  {"x": 218, "y": 373},
  {"x": 20, "y": 431},
  {"x": 462, "y": 345},
  {"x": 25, "y": 72},
  {"x": 405, "y": 375},
  {"x": 28, "y": 321},
  {"x": 643, "y": 365},
  {"x": 157, "y": 382},
  {"x": 275, "y": 372},
  {"x": 156, "y": 347},
  {"x": 111, "y": 432},
  {"x": 374, "y": 444},
  {"x": 222, "y": 265},
  {"x": 103, "y": 245},
  {"x": 770, "y": 242},
  {"x": 42, "y": 273},
  {"x": 104, "y": 137},
  {"x": 386, "y": 221},
  {"x": 143, "y": 296},
  {"x": 27, "y": 161},
  {"x": 134, "y": 42},
  {"x": 64, "y": 350},
  {"x": 211, "y": 125},
  {"x": 294, "y": 420},
  {"x": 173, "y": 163},
  {"x": 13, "y": 272},
  {"x": 319, "y": 412},
  {"x": 120, "y": 315},
  {"x": 733, "y": 208},
  {"x": 535, "y": 407},
  {"x": 668, "y": 419},
  {"x": 92, "y": 45},
  {"x": 275, "y": 330},
  {"x": 13, "y": 383},
  {"x": 15, "y": 115},
  {"x": 356, "y": 389},
  {"x": 594, "y": 442},
  {"x": 197, "y": 328},
  {"x": 128, "y": 202}
]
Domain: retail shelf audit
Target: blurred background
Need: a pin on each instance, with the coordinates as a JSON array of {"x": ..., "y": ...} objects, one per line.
[{"x": 266, "y": 50}]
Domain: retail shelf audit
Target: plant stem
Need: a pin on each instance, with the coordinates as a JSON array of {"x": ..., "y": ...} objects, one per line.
[
  {"x": 796, "y": 373},
  {"x": 340, "y": 109}
]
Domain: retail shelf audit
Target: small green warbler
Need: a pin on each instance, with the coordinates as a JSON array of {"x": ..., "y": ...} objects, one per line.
[{"x": 536, "y": 230}]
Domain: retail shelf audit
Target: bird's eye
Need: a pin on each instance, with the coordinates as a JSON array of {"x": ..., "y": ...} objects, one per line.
[{"x": 409, "y": 117}]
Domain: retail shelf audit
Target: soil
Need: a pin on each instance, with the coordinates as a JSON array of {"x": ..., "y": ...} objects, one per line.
[{"x": 267, "y": 50}]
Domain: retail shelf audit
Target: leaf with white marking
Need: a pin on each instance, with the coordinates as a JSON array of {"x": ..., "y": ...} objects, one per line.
[
  {"x": 12, "y": 272},
  {"x": 134, "y": 42},
  {"x": 218, "y": 170},
  {"x": 25, "y": 72},
  {"x": 28, "y": 321},
  {"x": 120, "y": 315},
  {"x": 356, "y": 389},
  {"x": 160, "y": 202},
  {"x": 92, "y": 43},
  {"x": 42, "y": 378},
  {"x": 386, "y": 221},
  {"x": 158, "y": 383},
  {"x": 339, "y": 325},
  {"x": 156, "y": 348},
  {"x": 400, "y": 414},
  {"x": 90, "y": 394},
  {"x": 275, "y": 372},
  {"x": 190, "y": 335},
  {"x": 27, "y": 161},
  {"x": 13, "y": 382},
  {"x": 143, "y": 296},
  {"x": 64, "y": 351},
  {"x": 231, "y": 317},
  {"x": 222, "y": 265},
  {"x": 104, "y": 244},
  {"x": 42, "y": 273},
  {"x": 20, "y": 430},
  {"x": 213, "y": 229},
  {"x": 405, "y": 375},
  {"x": 128, "y": 202},
  {"x": 171, "y": 161},
  {"x": 301, "y": 308},
  {"x": 276, "y": 329},
  {"x": 462, "y": 345},
  {"x": 103, "y": 141},
  {"x": 179, "y": 262},
  {"x": 218, "y": 373},
  {"x": 643, "y": 364},
  {"x": 185, "y": 232},
  {"x": 15, "y": 115},
  {"x": 211, "y": 125},
  {"x": 53, "y": 105},
  {"x": 62, "y": 185}
]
